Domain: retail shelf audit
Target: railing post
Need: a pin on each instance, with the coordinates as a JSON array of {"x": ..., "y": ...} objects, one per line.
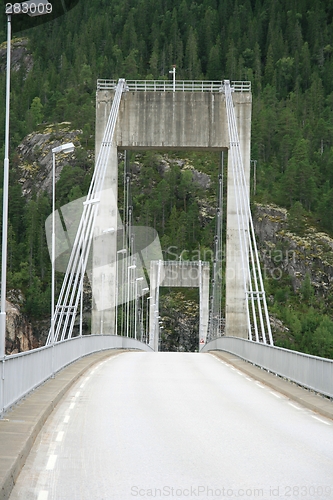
[{"x": 2, "y": 386}]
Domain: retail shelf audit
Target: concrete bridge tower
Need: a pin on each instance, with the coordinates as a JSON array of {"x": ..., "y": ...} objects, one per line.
[{"x": 156, "y": 115}]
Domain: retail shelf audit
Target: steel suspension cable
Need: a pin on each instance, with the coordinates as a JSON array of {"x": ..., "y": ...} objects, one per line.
[
  {"x": 70, "y": 291},
  {"x": 244, "y": 213}
]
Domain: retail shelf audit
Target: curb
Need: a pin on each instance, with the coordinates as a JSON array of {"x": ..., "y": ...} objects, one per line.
[{"x": 311, "y": 400}]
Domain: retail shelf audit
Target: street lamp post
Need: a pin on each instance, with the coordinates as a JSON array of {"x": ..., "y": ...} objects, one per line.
[
  {"x": 161, "y": 327},
  {"x": 81, "y": 293},
  {"x": 63, "y": 148},
  {"x": 141, "y": 324},
  {"x": 173, "y": 72},
  {"x": 122, "y": 251},
  {"x": 5, "y": 207},
  {"x": 147, "y": 319},
  {"x": 136, "y": 305},
  {"x": 254, "y": 176},
  {"x": 128, "y": 296},
  {"x": 102, "y": 305}
]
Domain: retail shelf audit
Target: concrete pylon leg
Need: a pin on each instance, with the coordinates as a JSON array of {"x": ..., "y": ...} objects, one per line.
[
  {"x": 105, "y": 253},
  {"x": 204, "y": 304},
  {"x": 236, "y": 316},
  {"x": 236, "y": 265},
  {"x": 153, "y": 305}
]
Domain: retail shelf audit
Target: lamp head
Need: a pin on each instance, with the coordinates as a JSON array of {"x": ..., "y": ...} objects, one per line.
[{"x": 64, "y": 148}]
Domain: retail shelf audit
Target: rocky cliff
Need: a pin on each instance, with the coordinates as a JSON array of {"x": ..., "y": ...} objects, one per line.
[
  {"x": 35, "y": 156},
  {"x": 19, "y": 332},
  {"x": 20, "y": 55},
  {"x": 284, "y": 251}
]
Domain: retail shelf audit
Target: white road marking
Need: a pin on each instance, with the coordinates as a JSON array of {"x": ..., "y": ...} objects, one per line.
[
  {"x": 294, "y": 406},
  {"x": 260, "y": 385},
  {"x": 276, "y": 395},
  {"x": 43, "y": 495},
  {"x": 250, "y": 379},
  {"x": 320, "y": 420},
  {"x": 71, "y": 406},
  {"x": 51, "y": 462},
  {"x": 66, "y": 419},
  {"x": 223, "y": 363},
  {"x": 60, "y": 435},
  {"x": 77, "y": 394}
]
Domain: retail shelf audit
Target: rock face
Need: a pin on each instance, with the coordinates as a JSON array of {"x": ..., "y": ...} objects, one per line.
[
  {"x": 36, "y": 159},
  {"x": 22, "y": 335},
  {"x": 19, "y": 332},
  {"x": 284, "y": 251},
  {"x": 20, "y": 55},
  {"x": 203, "y": 180}
]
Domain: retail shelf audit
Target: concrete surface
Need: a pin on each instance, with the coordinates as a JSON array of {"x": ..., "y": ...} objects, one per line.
[{"x": 21, "y": 425}]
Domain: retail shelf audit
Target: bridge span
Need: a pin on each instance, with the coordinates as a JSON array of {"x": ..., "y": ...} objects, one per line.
[
  {"x": 144, "y": 421},
  {"x": 177, "y": 425}
]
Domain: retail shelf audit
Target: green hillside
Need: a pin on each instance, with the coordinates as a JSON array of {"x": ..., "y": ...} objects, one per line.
[{"x": 285, "y": 48}]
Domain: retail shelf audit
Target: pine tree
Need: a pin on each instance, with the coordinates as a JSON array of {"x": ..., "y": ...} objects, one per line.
[{"x": 192, "y": 63}]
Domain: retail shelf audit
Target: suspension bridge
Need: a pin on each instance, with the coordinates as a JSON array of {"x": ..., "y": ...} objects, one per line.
[{"x": 125, "y": 267}]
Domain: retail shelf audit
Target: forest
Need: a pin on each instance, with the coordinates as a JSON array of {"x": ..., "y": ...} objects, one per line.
[{"x": 284, "y": 47}]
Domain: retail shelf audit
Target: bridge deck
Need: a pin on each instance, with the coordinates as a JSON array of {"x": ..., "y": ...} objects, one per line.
[{"x": 21, "y": 425}]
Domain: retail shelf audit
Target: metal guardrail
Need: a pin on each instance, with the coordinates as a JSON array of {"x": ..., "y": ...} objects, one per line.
[
  {"x": 168, "y": 86},
  {"x": 309, "y": 371},
  {"x": 27, "y": 370}
]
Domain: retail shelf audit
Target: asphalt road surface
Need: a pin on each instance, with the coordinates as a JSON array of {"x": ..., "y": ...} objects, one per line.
[{"x": 177, "y": 426}]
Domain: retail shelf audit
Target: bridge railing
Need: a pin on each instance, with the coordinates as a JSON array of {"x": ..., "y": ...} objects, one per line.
[
  {"x": 309, "y": 371},
  {"x": 27, "y": 370},
  {"x": 179, "y": 86}
]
